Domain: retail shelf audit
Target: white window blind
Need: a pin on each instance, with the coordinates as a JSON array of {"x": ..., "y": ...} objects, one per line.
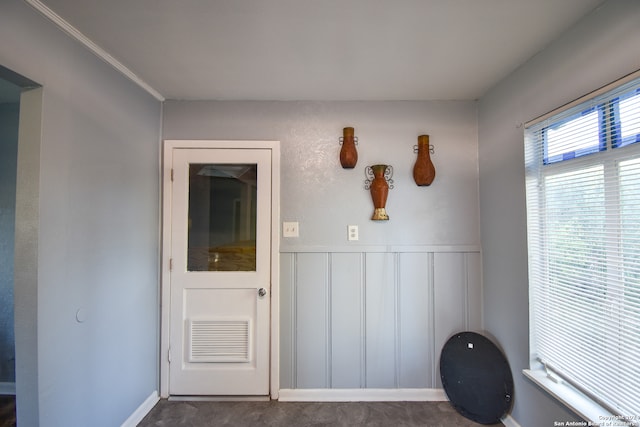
[{"x": 583, "y": 218}]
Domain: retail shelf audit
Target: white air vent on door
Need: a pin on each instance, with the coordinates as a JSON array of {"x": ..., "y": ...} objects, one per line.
[{"x": 219, "y": 341}]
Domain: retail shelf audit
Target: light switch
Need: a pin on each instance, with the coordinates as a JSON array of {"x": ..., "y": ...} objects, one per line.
[
  {"x": 352, "y": 232},
  {"x": 290, "y": 229}
]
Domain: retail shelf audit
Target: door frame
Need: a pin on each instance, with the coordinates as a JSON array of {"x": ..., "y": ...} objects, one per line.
[{"x": 165, "y": 276}]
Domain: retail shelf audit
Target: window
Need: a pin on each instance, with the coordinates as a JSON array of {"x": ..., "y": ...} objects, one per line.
[{"x": 583, "y": 218}]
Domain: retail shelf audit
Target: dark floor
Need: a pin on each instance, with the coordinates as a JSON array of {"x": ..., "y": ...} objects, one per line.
[
  {"x": 304, "y": 414},
  {"x": 7, "y": 411}
]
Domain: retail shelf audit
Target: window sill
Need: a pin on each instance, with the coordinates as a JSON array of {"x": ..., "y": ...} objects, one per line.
[{"x": 574, "y": 400}]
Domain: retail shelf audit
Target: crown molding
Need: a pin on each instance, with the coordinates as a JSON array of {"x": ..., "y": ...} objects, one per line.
[{"x": 97, "y": 50}]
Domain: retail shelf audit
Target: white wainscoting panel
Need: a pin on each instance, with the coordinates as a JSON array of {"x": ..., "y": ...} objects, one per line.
[
  {"x": 287, "y": 320},
  {"x": 347, "y": 321},
  {"x": 312, "y": 335},
  {"x": 380, "y": 320},
  {"x": 415, "y": 321},
  {"x": 374, "y": 318}
]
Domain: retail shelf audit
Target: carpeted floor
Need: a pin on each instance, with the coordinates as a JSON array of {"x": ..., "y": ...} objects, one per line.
[
  {"x": 7, "y": 411},
  {"x": 304, "y": 414}
]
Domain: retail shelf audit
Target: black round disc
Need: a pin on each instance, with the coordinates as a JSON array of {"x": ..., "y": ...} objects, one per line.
[{"x": 476, "y": 377}]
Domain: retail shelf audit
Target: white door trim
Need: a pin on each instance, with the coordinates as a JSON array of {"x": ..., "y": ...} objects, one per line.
[{"x": 274, "y": 146}]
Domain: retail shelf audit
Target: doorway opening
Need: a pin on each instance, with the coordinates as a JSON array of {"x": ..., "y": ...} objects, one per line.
[
  {"x": 20, "y": 132},
  {"x": 9, "y": 121}
]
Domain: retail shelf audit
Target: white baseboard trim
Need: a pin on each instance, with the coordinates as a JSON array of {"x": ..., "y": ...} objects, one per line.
[
  {"x": 508, "y": 421},
  {"x": 8, "y": 388},
  {"x": 219, "y": 398},
  {"x": 142, "y": 410},
  {"x": 362, "y": 395}
]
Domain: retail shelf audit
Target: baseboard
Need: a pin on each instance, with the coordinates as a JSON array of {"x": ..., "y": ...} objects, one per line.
[
  {"x": 219, "y": 398},
  {"x": 362, "y": 395},
  {"x": 142, "y": 410},
  {"x": 8, "y": 388},
  {"x": 508, "y": 421}
]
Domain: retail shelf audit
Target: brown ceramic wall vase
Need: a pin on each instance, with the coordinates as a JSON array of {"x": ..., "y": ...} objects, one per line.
[
  {"x": 423, "y": 171},
  {"x": 348, "y": 152},
  {"x": 378, "y": 183}
]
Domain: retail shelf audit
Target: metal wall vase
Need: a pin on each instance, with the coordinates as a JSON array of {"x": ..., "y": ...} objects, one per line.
[
  {"x": 378, "y": 183},
  {"x": 348, "y": 152},
  {"x": 423, "y": 171}
]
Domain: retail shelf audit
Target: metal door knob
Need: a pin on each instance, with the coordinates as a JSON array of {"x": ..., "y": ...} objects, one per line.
[{"x": 262, "y": 292}]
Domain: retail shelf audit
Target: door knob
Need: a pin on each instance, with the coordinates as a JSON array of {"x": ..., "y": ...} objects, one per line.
[{"x": 262, "y": 292}]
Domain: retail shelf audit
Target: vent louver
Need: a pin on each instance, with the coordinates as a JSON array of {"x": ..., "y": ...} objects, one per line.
[{"x": 219, "y": 341}]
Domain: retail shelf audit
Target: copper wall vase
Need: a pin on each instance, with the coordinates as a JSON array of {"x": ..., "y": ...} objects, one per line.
[
  {"x": 378, "y": 183},
  {"x": 348, "y": 152},
  {"x": 423, "y": 171}
]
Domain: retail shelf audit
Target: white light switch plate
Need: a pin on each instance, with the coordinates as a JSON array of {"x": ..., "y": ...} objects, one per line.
[{"x": 290, "y": 229}]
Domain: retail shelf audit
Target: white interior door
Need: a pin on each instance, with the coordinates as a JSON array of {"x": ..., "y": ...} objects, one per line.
[{"x": 220, "y": 271}]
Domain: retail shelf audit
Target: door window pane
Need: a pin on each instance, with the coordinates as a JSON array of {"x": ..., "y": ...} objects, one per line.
[{"x": 222, "y": 217}]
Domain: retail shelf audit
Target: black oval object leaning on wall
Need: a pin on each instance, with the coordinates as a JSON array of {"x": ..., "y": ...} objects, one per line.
[{"x": 476, "y": 377}]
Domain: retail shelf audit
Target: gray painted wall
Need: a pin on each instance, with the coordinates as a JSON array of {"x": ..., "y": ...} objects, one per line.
[
  {"x": 325, "y": 198},
  {"x": 602, "y": 48},
  {"x": 96, "y": 234},
  {"x": 9, "y": 113},
  {"x": 372, "y": 313}
]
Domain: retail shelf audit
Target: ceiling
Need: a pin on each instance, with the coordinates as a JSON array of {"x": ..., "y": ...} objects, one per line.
[{"x": 321, "y": 49}]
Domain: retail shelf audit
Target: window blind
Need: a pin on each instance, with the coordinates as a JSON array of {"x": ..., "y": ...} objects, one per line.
[{"x": 583, "y": 223}]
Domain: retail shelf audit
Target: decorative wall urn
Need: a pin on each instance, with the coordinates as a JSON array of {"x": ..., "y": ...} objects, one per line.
[
  {"x": 378, "y": 183},
  {"x": 348, "y": 152},
  {"x": 423, "y": 171}
]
